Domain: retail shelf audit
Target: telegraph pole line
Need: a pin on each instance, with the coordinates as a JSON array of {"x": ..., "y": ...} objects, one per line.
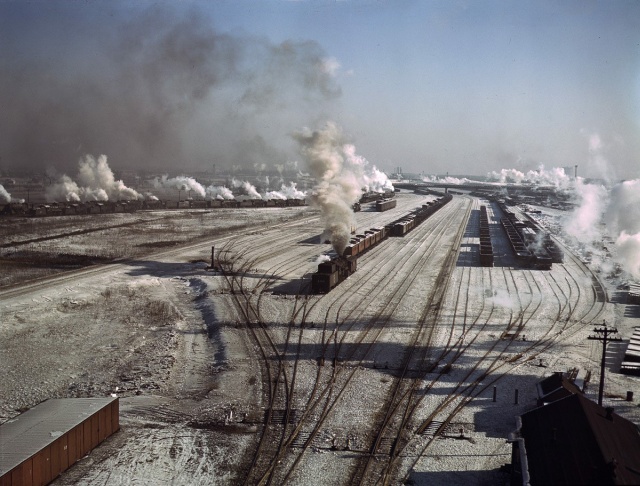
[{"x": 603, "y": 334}]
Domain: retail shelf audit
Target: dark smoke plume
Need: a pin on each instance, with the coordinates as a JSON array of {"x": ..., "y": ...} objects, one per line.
[{"x": 156, "y": 90}]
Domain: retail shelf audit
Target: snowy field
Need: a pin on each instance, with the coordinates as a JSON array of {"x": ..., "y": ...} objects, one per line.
[{"x": 236, "y": 375}]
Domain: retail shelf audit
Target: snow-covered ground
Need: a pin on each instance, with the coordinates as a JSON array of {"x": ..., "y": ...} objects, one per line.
[{"x": 173, "y": 341}]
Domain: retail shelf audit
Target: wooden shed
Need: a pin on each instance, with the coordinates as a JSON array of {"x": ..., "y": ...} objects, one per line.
[{"x": 39, "y": 444}]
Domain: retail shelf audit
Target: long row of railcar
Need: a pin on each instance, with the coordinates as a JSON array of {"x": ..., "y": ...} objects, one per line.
[
  {"x": 407, "y": 223},
  {"x": 100, "y": 207},
  {"x": 336, "y": 270},
  {"x": 525, "y": 242},
  {"x": 522, "y": 253},
  {"x": 358, "y": 244},
  {"x": 543, "y": 238},
  {"x": 538, "y": 241},
  {"x": 486, "y": 249}
]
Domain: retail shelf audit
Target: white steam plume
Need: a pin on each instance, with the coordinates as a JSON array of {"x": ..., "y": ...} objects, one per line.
[
  {"x": 340, "y": 176},
  {"x": 181, "y": 183},
  {"x": 249, "y": 189},
  {"x": 5, "y": 197},
  {"x": 95, "y": 182},
  {"x": 372, "y": 179},
  {"x": 447, "y": 180},
  {"x": 219, "y": 192},
  {"x": 555, "y": 176},
  {"x": 582, "y": 224},
  {"x": 623, "y": 219},
  {"x": 286, "y": 192}
]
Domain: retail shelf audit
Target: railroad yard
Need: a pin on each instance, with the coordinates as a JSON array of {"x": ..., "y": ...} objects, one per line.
[{"x": 412, "y": 370}]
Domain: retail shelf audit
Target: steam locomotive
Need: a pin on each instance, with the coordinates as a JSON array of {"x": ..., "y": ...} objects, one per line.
[{"x": 339, "y": 267}]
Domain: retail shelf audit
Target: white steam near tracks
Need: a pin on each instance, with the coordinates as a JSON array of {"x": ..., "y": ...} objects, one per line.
[
  {"x": 341, "y": 176},
  {"x": 95, "y": 182},
  {"x": 603, "y": 209}
]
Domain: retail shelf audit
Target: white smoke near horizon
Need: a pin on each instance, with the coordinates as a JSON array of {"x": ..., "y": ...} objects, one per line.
[
  {"x": 623, "y": 220},
  {"x": 181, "y": 183},
  {"x": 289, "y": 191},
  {"x": 372, "y": 179},
  {"x": 340, "y": 176},
  {"x": 447, "y": 180},
  {"x": 555, "y": 176},
  {"x": 5, "y": 197},
  {"x": 95, "y": 182},
  {"x": 249, "y": 189},
  {"x": 219, "y": 192}
]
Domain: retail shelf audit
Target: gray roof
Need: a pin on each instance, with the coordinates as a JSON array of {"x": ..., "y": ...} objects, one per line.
[{"x": 33, "y": 430}]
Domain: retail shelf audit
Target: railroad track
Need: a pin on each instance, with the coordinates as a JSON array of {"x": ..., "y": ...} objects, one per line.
[
  {"x": 327, "y": 396},
  {"x": 400, "y": 418},
  {"x": 498, "y": 367}
]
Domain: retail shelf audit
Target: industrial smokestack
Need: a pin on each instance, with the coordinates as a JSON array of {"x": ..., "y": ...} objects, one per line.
[{"x": 575, "y": 171}]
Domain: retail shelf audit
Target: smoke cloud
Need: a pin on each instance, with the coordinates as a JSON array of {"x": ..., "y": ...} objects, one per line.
[
  {"x": 219, "y": 192},
  {"x": 5, "y": 197},
  {"x": 583, "y": 223},
  {"x": 340, "y": 175},
  {"x": 250, "y": 192},
  {"x": 181, "y": 183},
  {"x": 287, "y": 191},
  {"x": 95, "y": 182},
  {"x": 152, "y": 87},
  {"x": 555, "y": 176},
  {"x": 623, "y": 220}
]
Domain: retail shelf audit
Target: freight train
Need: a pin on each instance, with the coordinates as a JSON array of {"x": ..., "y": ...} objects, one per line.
[
  {"x": 101, "y": 207},
  {"x": 486, "y": 248},
  {"x": 532, "y": 247},
  {"x": 339, "y": 267},
  {"x": 406, "y": 224}
]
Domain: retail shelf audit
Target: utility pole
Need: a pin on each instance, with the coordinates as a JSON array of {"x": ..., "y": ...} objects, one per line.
[{"x": 603, "y": 335}]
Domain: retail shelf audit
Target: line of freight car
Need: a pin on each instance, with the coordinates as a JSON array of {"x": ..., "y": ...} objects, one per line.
[
  {"x": 522, "y": 253},
  {"x": 486, "y": 249},
  {"x": 336, "y": 270},
  {"x": 404, "y": 225},
  {"x": 544, "y": 249},
  {"x": 361, "y": 243},
  {"x": 554, "y": 251},
  {"x": 102, "y": 207},
  {"x": 531, "y": 255}
]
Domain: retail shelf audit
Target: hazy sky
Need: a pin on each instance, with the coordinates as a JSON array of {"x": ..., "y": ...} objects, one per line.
[{"x": 433, "y": 86}]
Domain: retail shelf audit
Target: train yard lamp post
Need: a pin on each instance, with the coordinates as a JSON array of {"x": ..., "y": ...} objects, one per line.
[{"x": 603, "y": 335}]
